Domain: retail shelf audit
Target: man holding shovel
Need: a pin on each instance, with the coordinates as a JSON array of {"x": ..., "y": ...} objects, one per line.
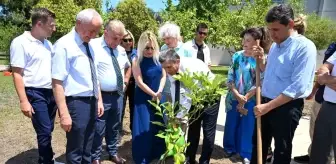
[{"x": 288, "y": 78}]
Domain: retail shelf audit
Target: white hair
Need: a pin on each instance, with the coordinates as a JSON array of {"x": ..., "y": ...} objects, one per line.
[
  {"x": 116, "y": 25},
  {"x": 86, "y": 16},
  {"x": 169, "y": 30}
]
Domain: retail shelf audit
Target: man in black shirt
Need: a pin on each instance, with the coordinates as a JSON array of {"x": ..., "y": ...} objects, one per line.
[{"x": 318, "y": 91}]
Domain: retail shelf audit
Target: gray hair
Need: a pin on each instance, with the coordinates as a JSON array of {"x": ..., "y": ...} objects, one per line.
[
  {"x": 115, "y": 25},
  {"x": 169, "y": 30},
  {"x": 87, "y": 15},
  {"x": 168, "y": 55}
]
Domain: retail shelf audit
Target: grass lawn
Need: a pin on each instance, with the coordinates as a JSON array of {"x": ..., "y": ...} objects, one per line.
[
  {"x": 220, "y": 71},
  {"x": 3, "y": 62}
]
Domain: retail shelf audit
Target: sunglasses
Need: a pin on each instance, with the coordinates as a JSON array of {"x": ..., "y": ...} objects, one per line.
[
  {"x": 149, "y": 48},
  {"x": 202, "y": 33},
  {"x": 127, "y": 40}
]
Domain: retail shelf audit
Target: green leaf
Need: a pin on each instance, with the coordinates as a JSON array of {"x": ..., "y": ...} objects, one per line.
[{"x": 158, "y": 123}]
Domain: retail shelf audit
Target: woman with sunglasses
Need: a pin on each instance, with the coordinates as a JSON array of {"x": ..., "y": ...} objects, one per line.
[
  {"x": 150, "y": 79},
  {"x": 128, "y": 44}
]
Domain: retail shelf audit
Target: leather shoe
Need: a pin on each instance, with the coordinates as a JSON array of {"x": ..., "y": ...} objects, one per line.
[
  {"x": 117, "y": 159},
  {"x": 96, "y": 162}
]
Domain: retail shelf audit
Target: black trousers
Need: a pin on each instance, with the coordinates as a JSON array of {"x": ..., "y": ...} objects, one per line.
[
  {"x": 208, "y": 119},
  {"x": 281, "y": 124},
  {"x": 130, "y": 94},
  {"x": 324, "y": 134}
]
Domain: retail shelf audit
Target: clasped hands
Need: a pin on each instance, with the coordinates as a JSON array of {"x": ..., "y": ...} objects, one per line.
[{"x": 157, "y": 96}]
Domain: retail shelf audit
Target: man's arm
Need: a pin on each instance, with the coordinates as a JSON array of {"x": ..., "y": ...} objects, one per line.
[
  {"x": 59, "y": 72},
  {"x": 25, "y": 106},
  {"x": 128, "y": 70}
]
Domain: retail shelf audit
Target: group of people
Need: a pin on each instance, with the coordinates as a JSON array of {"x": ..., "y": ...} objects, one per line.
[{"x": 86, "y": 81}]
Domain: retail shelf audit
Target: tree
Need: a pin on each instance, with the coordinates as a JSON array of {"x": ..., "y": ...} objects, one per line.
[
  {"x": 66, "y": 11},
  {"x": 322, "y": 31},
  {"x": 135, "y": 15}
]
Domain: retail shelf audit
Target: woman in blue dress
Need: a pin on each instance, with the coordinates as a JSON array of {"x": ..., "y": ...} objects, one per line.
[
  {"x": 150, "y": 79},
  {"x": 241, "y": 81}
]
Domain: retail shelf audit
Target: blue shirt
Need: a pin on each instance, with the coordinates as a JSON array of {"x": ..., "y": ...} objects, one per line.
[
  {"x": 71, "y": 65},
  {"x": 290, "y": 68},
  {"x": 106, "y": 72}
]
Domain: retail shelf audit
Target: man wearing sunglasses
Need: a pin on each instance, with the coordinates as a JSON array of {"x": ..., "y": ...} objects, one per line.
[{"x": 197, "y": 46}]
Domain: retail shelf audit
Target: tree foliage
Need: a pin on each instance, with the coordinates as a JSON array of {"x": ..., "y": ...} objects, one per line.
[
  {"x": 135, "y": 15},
  {"x": 66, "y": 11}
]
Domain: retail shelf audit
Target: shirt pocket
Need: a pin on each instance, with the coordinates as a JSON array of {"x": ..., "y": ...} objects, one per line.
[{"x": 284, "y": 71}]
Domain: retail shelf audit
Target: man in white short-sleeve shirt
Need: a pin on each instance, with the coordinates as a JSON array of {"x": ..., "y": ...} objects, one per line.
[
  {"x": 325, "y": 125},
  {"x": 197, "y": 46},
  {"x": 114, "y": 72},
  {"x": 30, "y": 59},
  {"x": 76, "y": 87}
]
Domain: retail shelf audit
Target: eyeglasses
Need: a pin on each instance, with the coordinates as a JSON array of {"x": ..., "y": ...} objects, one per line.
[
  {"x": 202, "y": 33},
  {"x": 149, "y": 48},
  {"x": 127, "y": 40}
]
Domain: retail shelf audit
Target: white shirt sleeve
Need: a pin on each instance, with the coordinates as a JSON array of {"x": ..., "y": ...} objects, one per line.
[
  {"x": 332, "y": 59},
  {"x": 60, "y": 63},
  {"x": 18, "y": 57},
  {"x": 207, "y": 57}
]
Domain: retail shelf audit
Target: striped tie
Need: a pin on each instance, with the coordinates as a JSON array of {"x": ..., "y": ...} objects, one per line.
[
  {"x": 93, "y": 71},
  {"x": 117, "y": 70}
]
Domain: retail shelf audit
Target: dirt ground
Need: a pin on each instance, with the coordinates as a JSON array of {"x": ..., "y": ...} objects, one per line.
[{"x": 18, "y": 139}]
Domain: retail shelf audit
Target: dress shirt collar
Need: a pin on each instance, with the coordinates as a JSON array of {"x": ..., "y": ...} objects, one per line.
[
  {"x": 30, "y": 37},
  {"x": 194, "y": 44},
  {"x": 285, "y": 43},
  {"x": 78, "y": 39}
]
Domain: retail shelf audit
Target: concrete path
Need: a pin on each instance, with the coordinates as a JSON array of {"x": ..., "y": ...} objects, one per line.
[{"x": 300, "y": 143}]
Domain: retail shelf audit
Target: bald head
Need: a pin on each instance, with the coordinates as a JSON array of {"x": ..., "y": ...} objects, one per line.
[{"x": 114, "y": 33}]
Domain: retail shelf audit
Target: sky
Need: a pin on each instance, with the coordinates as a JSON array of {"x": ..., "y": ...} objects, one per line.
[{"x": 156, "y": 5}]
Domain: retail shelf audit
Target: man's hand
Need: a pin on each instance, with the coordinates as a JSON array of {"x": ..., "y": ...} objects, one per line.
[
  {"x": 261, "y": 109},
  {"x": 258, "y": 52},
  {"x": 322, "y": 78},
  {"x": 66, "y": 122},
  {"x": 100, "y": 108},
  {"x": 27, "y": 109}
]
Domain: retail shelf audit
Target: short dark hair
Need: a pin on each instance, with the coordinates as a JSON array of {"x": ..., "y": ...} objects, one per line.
[
  {"x": 282, "y": 13},
  {"x": 201, "y": 25},
  {"x": 168, "y": 55},
  {"x": 41, "y": 14},
  {"x": 259, "y": 33}
]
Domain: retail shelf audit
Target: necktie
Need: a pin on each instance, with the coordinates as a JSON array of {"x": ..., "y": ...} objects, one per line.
[
  {"x": 117, "y": 70},
  {"x": 177, "y": 93},
  {"x": 200, "y": 53},
  {"x": 93, "y": 71}
]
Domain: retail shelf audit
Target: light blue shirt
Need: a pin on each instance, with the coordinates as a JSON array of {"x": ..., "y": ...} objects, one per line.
[
  {"x": 290, "y": 68},
  {"x": 180, "y": 50},
  {"x": 106, "y": 73},
  {"x": 71, "y": 65}
]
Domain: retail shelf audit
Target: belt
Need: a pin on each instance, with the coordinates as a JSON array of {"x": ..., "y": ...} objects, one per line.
[
  {"x": 81, "y": 97},
  {"x": 266, "y": 99},
  {"x": 110, "y": 92}
]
